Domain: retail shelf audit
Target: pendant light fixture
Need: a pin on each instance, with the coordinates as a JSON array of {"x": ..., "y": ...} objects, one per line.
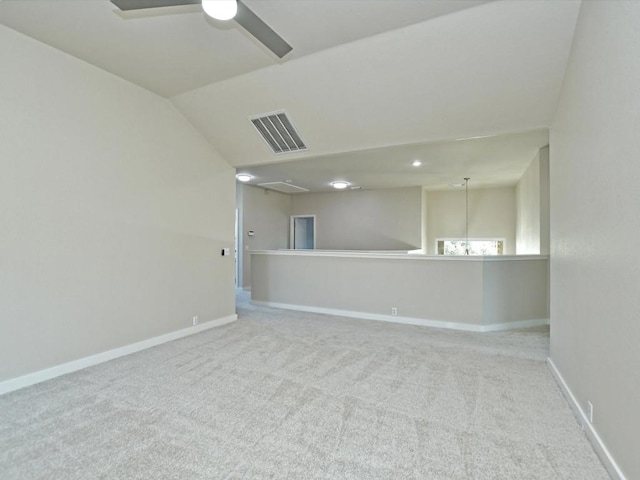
[{"x": 466, "y": 215}]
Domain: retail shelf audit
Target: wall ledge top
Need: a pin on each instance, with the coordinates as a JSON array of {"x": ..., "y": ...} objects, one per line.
[{"x": 394, "y": 255}]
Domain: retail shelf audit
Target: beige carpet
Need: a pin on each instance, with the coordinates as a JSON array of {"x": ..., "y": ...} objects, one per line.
[{"x": 281, "y": 394}]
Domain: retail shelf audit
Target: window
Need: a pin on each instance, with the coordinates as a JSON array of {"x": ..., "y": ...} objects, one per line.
[{"x": 456, "y": 246}]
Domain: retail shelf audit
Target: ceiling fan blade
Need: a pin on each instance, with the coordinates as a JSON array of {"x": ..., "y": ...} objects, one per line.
[
  {"x": 245, "y": 17},
  {"x": 125, "y": 5},
  {"x": 263, "y": 32}
]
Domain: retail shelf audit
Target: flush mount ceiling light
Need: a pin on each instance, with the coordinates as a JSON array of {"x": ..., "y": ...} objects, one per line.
[
  {"x": 243, "y": 177},
  {"x": 416, "y": 163},
  {"x": 340, "y": 184},
  {"x": 220, "y": 9}
]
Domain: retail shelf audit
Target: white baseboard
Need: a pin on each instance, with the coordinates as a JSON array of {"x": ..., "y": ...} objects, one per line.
[
  {"x": 497, "y": 327},
  {"x": 49, "y": 373},
  {"x": 469, "y": 327},
  {"x": 598, "y": 445}
]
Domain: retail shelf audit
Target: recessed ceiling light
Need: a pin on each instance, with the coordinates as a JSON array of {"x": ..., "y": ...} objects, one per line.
[
  {"x": 416, "y": 163},
  {"x": 340, "y": 184},
  {"x": 243, "y": 177}
]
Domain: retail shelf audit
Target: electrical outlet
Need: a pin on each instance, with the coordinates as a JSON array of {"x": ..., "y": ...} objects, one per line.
[
  {"x": 195, "y": 320},
  {"x": 394, "y": 311},
  {"x": 590, "y": 412}
]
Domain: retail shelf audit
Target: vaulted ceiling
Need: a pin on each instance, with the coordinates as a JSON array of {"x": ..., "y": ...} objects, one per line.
[
  {"x": 363, "y": 74},
  {"x": 172, "y": 50}
]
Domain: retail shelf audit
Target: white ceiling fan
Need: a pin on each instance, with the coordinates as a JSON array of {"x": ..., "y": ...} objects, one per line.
[{"x": 221, "y": 10}]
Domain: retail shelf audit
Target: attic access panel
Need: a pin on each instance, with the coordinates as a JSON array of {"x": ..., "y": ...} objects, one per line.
[{"x": 283, "y": 187}]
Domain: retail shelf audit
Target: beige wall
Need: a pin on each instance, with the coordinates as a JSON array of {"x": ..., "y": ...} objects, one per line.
[
  {"x": 266, "y": 213},
  {"x": 532, "y": 207},
  {"x": 462, "y": 292},
  {"x": 492, "y": 213},
  {"x": 545, "y": 206},
  {"x": 387, "y": 219},
  {"x": 515, "y": 290},
  {"x": 372, "y": 285},
  {"x": 113, "y": 212},
  {"x": 595, "y": 197},
  {"x": 528, "y": 209}
]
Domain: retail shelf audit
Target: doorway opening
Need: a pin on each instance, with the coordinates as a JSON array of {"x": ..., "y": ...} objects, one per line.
[
  {"x": 236, "y": 249},
  {"x": 302, "y": 232}
]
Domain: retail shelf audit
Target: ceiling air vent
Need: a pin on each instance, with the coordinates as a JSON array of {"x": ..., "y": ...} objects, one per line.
[
  {"x": 277, "y": 130},
  {"x": 283, "y": 187}
]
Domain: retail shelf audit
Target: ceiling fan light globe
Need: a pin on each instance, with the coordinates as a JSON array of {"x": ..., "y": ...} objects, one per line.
[{"x": 220, "y": 9}]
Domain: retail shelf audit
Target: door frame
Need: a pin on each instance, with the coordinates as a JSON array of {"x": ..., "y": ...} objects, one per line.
[{"x": 292, "y": 230}]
